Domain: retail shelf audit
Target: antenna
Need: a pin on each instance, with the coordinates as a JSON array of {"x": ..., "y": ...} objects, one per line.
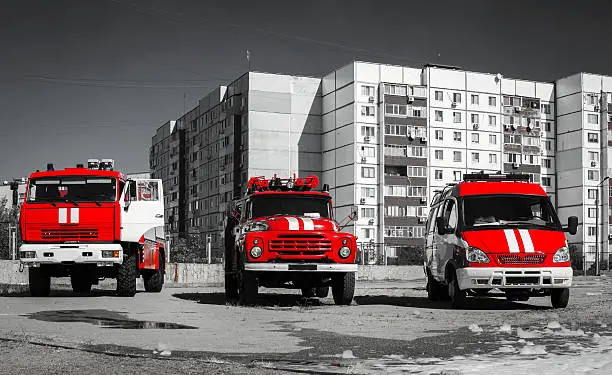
[{"x": 248, "y": 57}]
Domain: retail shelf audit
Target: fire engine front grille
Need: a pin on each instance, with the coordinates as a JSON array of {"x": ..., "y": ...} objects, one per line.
[
  {"x": 518, "y": 259},
  {"x": 299, "y": 245},
  {"x": 66, "y": 234}
]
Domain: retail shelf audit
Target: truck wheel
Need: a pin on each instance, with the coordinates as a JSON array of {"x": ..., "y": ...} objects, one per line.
[
  {"x": 248, "y": 288},
  {"x": 231, "y": 287},
  {"x": 343, "y": 288},
  {"x": 80, "y": 283},
  {"x": 154, "y": 280},
  {"x": 126, "y": 277},
  {"x": 308, "y": 292},
  {"x": 40, "y": 282},
  {"x": 559, "y": 298},
  {"x": 458, "y": 296},
  {"x": 435, "y": 291},
  {"x": 322, "y": 291}
]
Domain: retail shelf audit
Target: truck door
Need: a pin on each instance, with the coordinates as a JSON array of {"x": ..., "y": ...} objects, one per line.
[{"x": 142, "y": 211}]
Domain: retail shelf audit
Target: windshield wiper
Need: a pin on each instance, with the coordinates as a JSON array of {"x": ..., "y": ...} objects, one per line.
[{"x": 72, "y": 201}]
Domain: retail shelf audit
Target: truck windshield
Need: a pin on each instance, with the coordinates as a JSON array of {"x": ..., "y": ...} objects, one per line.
[
  {"x": 72, "y": 189},
  {"x": 310, "y": 206},
  {"x": 484, "y": 211}
]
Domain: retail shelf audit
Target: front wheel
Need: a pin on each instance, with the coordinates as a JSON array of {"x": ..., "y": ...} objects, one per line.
[
  {"x": 248, "y": 288},
  {"x": 458, "y": 296},
  {"x": 343, "y": 288},
  {"x": 231, "y": 287},
  {"x": 126, "y": 277},
  {"x": 559, "y": 298},
  {"x": 435, "y": 291},
  {"x": 40, "y": 282}
]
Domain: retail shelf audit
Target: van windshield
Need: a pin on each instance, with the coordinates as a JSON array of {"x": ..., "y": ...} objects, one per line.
[{"x": 496, "y": 211}]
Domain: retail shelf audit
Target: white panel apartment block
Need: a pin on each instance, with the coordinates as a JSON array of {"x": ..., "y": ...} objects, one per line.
[
  {"x": 482, "y": 83},
  {"x": 525, "y": 88},
  {"x": 391, "y": 73},
  {"x": 412, "y": 76},
  {"x": 328, "y": 84},
  {"x": 345, "y": 76},
  {"x": 568, "y": 85},
  {"x": 367, "y": 72},
  {"x": 508, "y": 86}
]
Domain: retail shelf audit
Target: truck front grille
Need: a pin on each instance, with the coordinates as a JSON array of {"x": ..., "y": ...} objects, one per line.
[
  {"x": 300, "y": 245},
  {"x": 68, "y": 234},
  {"x": 521, "y": 259}
]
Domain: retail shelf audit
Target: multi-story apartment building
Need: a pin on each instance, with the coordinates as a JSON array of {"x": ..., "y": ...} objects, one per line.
[{"x": 385, "y": 138}]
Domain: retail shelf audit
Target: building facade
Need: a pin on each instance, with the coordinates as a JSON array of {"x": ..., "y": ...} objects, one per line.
[{"x": 386, "y": 138}]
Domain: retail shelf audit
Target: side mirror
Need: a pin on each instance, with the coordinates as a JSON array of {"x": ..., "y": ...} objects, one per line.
[
  {"x": 132, "y": 189},
  {"x": 236, "y": 231},
  {"x": 572, "y": 225},
  {"x": 441, "y": 225}
]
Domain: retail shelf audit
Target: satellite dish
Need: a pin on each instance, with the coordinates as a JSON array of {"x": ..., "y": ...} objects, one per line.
[{"x": 498, "y": 77}]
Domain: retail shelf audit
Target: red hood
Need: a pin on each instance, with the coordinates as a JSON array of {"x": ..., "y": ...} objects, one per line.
[
  {"x": 504, "y": 241},
  {"x": 300, "y": 223}
]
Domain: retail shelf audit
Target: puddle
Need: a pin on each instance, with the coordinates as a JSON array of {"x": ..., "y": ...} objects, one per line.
[{"x": 102, "y": 318}]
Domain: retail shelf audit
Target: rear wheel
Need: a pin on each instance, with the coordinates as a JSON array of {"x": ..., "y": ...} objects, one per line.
[
  {"x": 458, "y": 297},
  {"x": 126, "y": 277},
  {"x": 40, "y": 282},
  {"x": 322, "y": 291},
  {"x": 435, "y": 291},
  {"x": 559, "y": 298},
  {"x": 154, "y": 280},
  {"x": 343, "y": 288}
]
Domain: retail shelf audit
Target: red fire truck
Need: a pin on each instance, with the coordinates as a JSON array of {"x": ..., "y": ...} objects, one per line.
[
  {"x": 92, "y": 223},
  {"x": 283, "y": 235}
]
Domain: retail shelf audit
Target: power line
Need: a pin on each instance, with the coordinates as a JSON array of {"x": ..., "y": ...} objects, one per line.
[{"x": 113, "y": 83}]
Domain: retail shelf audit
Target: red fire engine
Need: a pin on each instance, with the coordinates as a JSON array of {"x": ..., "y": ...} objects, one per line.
[
  {"x": 283, "y": 235},
  {"x": 92, "y": 223}
]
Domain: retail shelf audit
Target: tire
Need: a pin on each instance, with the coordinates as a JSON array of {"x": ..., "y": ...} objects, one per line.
[
  {"x": 80, "y": 283},
  {"x": 126, "y": 277},
  {"x": 248, "y": 288},
  {"x": 154, "y": 280},
  {"x": 308, "y": 292},
  {"x": 435, "y": 291},
  {"x": 343, "y": 288},
  {"x": 458, "y": 297},
  {"x": 559, "y": 298},
  {"x": 39, "y": 282},
  {"x": 231, "y": 287},
  {"x": 322, "y": 291}
]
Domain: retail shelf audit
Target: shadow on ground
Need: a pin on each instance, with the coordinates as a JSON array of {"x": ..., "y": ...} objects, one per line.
[
  {"x": 263, "y": 299},
  {"x": 478, "y": 303}
]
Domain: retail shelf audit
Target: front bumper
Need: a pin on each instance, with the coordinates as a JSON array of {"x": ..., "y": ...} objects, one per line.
[
  {"x": 70, "y": 254},
  {"x": 514, "y": 278},
  {"x": 300, "y": 267}
]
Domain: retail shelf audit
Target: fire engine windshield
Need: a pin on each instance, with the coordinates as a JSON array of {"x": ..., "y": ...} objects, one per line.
[
  {"x": 496, "y": 211},
  {"x": 310, "y": 206},
  {"x": 72, "y": 189}
]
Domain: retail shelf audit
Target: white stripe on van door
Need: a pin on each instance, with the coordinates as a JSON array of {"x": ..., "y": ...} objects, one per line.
[
  {"x": 526, "y": 238},
  {"x": 308, "y": 223},
  {"x": 293, "y": 223},
  {"x": 511, "y": 239}
]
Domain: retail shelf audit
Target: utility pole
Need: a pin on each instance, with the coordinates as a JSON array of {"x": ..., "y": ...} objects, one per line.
[{"x": 597, "y": 265}]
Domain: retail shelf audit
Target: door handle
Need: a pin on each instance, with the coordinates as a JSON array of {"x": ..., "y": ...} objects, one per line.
[{"x": 159, "y": 215}]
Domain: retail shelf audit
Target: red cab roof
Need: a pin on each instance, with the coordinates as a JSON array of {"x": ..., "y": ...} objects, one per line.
[
  {"x": 501, "y": 187},
  {"x": 78, "y": 172}
]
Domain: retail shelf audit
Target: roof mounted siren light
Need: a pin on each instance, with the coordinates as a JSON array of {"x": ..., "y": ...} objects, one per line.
[
  {"x": 93, "y": 164},
  {"x": 294, "y": 183},
  {"x": 50, "y": 167},
  {"x": 107, "y": 164}
]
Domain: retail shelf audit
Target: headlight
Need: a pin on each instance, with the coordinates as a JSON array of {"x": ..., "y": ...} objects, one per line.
[
  {"x": 257, "y": 226},
  {"x": 344, "y": 252},
  {"x": 110, "y": 253},
  {"x": 562, "y": 255},
  {"x": 475, "y": 255},
  {"x": 28, "y": 254},
  {"x": 256, "y": 251}
]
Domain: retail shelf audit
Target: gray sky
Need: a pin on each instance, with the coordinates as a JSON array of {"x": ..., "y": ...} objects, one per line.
[{"x": 95, "y": 78}]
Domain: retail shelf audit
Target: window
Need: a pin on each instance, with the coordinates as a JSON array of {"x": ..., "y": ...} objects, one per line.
[
  {"x": 593, "y": 137},
  {"x": 417, "y": 171},
  {"x": 457, "y": 175},
  {"x": 591, "y": 231},
  {"x": 368, "y": 192},
  {"x": 457, "y": 97},
  {"x": 416, "y": 112},
  {"x": 593, "y": 156},
  {"x": 546, "y": 181},
  {"x": 592, "y": 118},
  {"x": 439, "y": 135},
  {"x": 396, "y": 150},
  {"x": 492, "y": 120},
  {"x": 368, "y": 151},
  {"x": 547, "y": 126},
  {"x": 439, "y": 96},
  {"x": 438, "y": 174},
  {"x": 492, "y": 101},
  {"x": 456, "y": 156},
  {"x": 591, "y": 212},
  {"x": 474, "y": 118},
  {"x": 492, "y": 158},
  {"x": 396, "y": 129},
  {"x": 396, "y": 190},
  {"x": 493, "y": 139},
  {"x": 367, "y": 90},
  {"x": 395, "y": 211},
  {"x": 593, "y": 175},
  {"x": 457, "y": 136},
  {"x": 456, "y": 117},
  {"x": 438, "y": 155},
  {"x": 475, "y": 99},
  {"x": 591, "y": 99},
  {"x": 531, "y": 141},
  {"x": 546, "y": 109},
  {"x": 395, "y": 109},
  {"x": 439, "y": 116},
  {"x": 512, "y": 158},
  {"x": 367, "y": 110},
  {"x": 417, "y": 191},
  {"x": 367, "y": 212},
  {"x": 476, "y": 157},
  {"x": 592, "y": 193},
  {"x": 404, "y": 231},
  {"x": 546, "y": 163},
  {"x": 549, "y": 145},
  {"x": 475, "y": 138},
  {"x": 367, "y": 131},
  {"x": 416, "y": 211},
  {"x": 395, "y": 90},
  {"x": 367, "y": 232},
  {"x": 367, "y": 172},
  {"x": 417, "y": 152}
]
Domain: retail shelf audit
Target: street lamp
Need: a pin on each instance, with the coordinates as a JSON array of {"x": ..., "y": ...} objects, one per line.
[{"x": 597, "y": 225}]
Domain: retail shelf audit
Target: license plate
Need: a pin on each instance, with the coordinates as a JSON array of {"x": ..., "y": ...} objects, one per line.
[{"x": 303, "y": 267}]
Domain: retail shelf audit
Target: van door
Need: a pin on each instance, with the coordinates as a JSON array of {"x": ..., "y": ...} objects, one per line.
[
  {"x": 142, "y": 210},
  {"x": 430, "y": 243},
  {"x": 446, "y": 243}
]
